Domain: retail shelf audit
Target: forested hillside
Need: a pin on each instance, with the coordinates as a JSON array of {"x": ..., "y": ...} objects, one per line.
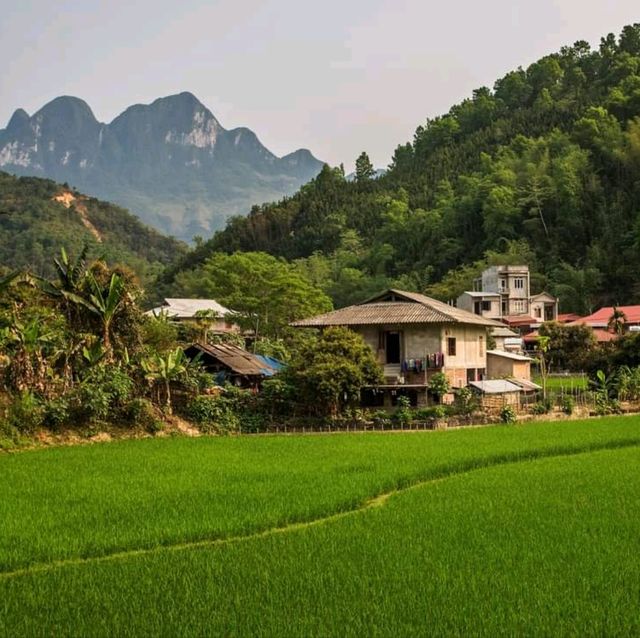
[
  {"x": 39, "y": 217},
  {"x": 543, "y": 167}
]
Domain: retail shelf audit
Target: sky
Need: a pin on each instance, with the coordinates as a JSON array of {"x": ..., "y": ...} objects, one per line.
[{"x": 336, "y": 77}]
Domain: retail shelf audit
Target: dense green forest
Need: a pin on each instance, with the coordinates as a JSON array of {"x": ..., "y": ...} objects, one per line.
[
  {"x": 543, "y": 168},
  {"x": 33, "y": 226}
]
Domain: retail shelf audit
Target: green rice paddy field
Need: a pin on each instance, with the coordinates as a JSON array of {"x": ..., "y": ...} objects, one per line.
[{"x": 530, "y": 529}]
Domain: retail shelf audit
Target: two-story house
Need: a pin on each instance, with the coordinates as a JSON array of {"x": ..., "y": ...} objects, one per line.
[{"x": 413, "y": 337}]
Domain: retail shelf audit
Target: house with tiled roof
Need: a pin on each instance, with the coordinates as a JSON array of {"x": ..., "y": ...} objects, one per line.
[
  {"x": 413, "y": 337},
  {"x": 601, "y": 318}
]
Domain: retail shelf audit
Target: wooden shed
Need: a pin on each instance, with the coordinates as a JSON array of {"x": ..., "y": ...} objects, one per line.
[
  {"x": 496, "y": 393},
  {"x": 232, "y": 364},
  {"x": 502, "y": 364}
]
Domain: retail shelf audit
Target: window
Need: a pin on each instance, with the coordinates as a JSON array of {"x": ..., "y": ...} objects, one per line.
[
  {"x": 518, "y": 283},
  {"x": 518, "y": 306},
  {"x": 481, "y": 346},
  {"x": 451, "y": 346},
  {"x": 393, "y": 347},
  {"x": 486, "y": 306},
  {"x": 538, "y": 312}
]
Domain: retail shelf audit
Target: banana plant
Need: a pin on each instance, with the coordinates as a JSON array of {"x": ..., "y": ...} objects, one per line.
[
  {"x": 105, "y": 304},
  {"x": 165, "y": 368}
]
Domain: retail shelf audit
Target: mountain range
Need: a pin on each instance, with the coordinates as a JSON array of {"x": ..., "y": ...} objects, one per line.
[{"x": 170, "y": 162}]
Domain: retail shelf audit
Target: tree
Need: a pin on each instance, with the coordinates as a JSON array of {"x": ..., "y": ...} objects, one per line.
[
  {"x": 569, "y": 346},
  {"x": 330, "y": 372},
  {"x": 617, "y": 321},
  {"x": 266, "y": 292},
  {"x": 364, "y": 168},
  {"x": 166, "y": 368}
]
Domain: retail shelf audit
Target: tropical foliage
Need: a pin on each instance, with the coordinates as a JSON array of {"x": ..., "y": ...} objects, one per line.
[{"x": 542, "y": 168}]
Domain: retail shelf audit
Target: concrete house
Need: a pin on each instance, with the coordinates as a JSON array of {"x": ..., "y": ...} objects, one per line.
[
  {"x": 504, "y": 292},
  {"x": 485, "y": 304},
  {"x": 413, "y": 337}
]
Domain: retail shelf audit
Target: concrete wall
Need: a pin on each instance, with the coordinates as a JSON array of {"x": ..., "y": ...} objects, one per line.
[
  {"x": 500, "y": 367},
  {"x": 417, "y": 341}
]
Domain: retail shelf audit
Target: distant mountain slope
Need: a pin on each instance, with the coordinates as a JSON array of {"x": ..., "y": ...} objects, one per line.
[
  {"x": 170, "y": 162},
  {"x": 38, "y": 217}
]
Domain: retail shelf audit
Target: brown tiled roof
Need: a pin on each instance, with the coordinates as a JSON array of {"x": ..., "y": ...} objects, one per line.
[{"x": 402, "y": 308}]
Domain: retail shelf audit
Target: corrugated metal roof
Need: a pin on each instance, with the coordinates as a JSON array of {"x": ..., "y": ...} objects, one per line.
[
  {"x": 477, "y": 293},
  {"x": 236, "y": 359},
  {"x": 503, "y": 331},
  {"x": 495, "y": 386},
  {"x": 508, "y": 355},
  {"x": 395, "y": 307},
  {"x": 525, "y": 384},
  {"x": 187, "y": 308}
]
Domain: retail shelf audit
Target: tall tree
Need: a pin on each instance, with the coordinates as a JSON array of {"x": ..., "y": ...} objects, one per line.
[{"x": 364, "y": 168}]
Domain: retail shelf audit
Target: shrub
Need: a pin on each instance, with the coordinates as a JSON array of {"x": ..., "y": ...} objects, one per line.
[
  {"x": 434, "y": 412},
  {"x": 439, "y": 385},
  {"x": 56, "y": 412},
  {"x": 568, "y": 404},
  {"x": 402, "y": 415},
  {"x": 539, "y": 408},
  {"x": 142, "y": 412},
  {"x": 25, "y": 413},
  {"x": 213, "y": 414},
  {"x": 465, "y": 402},
  {"x": 508, "y": 414},
  {"x": 381, "y": 419}
]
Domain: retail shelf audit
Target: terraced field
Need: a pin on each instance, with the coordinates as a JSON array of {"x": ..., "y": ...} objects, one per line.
[{"x": 489, "y": 531}]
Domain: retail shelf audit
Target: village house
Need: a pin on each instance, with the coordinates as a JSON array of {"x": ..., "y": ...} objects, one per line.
[
  {"x": 219, "y": 319},
  {"x": 413, "y": 337},
  {"x": 600, "y": 320}
]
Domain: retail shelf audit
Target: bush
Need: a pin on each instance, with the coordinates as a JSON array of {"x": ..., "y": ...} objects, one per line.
[
  {"x": 439, "y": 385},
  {"x": 142, "y": 412},
  {"x": 465, "y": 402},
  {"x": 381, "y": 419},
  {"x": 402, "y": 415},
  {"x": 213, "y": 414},
  {"x": 568, "y": 405},
  {"x": 539, "y": 408},
  {"x": 508, "y": 414},
  {"x": 434, "y": 412},
  {"x": 56, "y": 412},
  {"x": 25, "y": 414},
  {"x": 103, "y": 393}
]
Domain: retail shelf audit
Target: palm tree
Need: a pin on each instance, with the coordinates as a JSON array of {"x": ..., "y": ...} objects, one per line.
[{"x": 617, "y": 321}]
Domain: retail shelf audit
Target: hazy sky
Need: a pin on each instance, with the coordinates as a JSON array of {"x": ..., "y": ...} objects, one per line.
[{"x": 334, "y": 77}]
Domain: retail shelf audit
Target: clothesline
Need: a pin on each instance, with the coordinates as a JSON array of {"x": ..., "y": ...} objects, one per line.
[{"x": 430, "y": 361}]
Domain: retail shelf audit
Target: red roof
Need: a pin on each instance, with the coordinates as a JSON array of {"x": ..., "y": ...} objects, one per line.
[
  {"x": 520, "y": 320},
  {"x": 601, "y": 317},
  {"x": 603, "y": 336},
  {"x": 567, "y": 317}
]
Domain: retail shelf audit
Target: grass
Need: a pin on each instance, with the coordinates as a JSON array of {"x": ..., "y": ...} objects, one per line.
[
  {"x": 496, "y": 536},
  {"x": 569, "y": 384}
]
